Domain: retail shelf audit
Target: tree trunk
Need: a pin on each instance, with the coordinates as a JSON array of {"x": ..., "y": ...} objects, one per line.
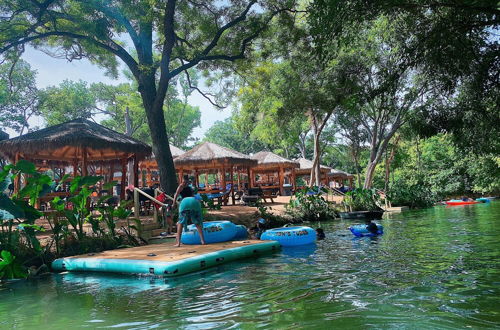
[
  {"x": 128, "y": 131},
  {"x": 156, "y": 123}
]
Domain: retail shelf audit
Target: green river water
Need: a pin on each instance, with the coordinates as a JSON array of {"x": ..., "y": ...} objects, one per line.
[{"x": 433, "y": 268}]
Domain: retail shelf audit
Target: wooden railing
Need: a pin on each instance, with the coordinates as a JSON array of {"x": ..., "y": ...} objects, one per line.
[{"x": 137, "y": 204}]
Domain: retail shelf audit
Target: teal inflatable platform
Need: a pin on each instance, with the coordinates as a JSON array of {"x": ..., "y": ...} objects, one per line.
[{"x": 163, "y": 268}]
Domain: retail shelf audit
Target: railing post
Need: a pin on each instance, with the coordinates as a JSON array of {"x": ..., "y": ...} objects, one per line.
[
  {"x": 155, "y": 210},
  {"x": 136, "y": 203}
]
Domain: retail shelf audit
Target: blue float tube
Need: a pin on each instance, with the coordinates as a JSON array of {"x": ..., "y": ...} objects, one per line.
[
  {"x": 241, "y": 232},
  {"x": 213, "y": 231},
  {"x": 290, "y": 236},
  {"x": 361, "y": 231},
  {"x": 483, "y": 200}
]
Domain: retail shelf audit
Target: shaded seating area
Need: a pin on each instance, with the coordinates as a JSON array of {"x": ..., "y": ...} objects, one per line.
[
  {"x": 304, "y": 171},
  {"x": 77, "y": 147},
  {"x": 148, "y": 168},
  {"x": 340, "y": 180},
  {"x": 229, "y": 166},
  {"x": 276, "y": 173}
]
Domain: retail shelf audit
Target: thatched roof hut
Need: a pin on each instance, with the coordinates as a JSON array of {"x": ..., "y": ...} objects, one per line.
[
  {"x": 269, "y": 160},
  {"x": 210, "y": 155},
  {"x": 270, "y": 163},
  {"x": 66, "y": 142},
  {"x": 78, "y": 143},
  {"x": 151, "y": 166},
  {"x": 334, "y": 173},
  {"x": 306, "y": 165}
]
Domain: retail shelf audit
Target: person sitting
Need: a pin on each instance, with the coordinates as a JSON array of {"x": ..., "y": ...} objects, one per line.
[
  {"x": 371, "y": 226},
  {"x": 320, "y": 234},
  {"x": 466, "y": 199}
]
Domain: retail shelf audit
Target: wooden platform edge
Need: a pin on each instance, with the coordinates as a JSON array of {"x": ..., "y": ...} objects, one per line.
[{"x": 164, "y": 268}]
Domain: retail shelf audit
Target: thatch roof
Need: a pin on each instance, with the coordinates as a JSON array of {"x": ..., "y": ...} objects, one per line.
[
  {"x": 339, "y": 174},
  {"x": 267, "y": 159},
  {"x": 210, "y": 155},
  {"x": 306, "y": 164},
  {"x": 3, "y": 135},
  {"x": 64, "y": 142},
  {"x": 151, "y": 163}
]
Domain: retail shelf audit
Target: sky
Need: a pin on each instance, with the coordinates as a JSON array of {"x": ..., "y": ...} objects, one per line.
[{"x": 53, "y": 71}]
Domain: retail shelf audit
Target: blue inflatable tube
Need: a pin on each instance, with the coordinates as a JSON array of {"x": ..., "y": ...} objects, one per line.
[
  {"x": 213, "y": 231},
  {"x": 290, "y": 236},
  {"x": 241, "y": 232},
  {"x": 361, "y": 231}
]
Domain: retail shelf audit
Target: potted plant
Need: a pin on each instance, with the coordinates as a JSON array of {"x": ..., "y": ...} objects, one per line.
[{"x": 362, "y": 204}]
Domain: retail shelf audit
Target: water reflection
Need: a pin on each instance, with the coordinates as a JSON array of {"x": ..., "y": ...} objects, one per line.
[{"x": 433, "y": 268}]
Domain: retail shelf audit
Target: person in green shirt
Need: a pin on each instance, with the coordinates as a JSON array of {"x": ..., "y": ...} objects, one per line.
[{"x": 189, "y": 210}]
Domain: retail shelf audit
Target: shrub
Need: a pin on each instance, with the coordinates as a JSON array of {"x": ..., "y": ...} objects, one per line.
[
  {"x": 310, "y": 205},
  {"x": 361, "y": 199},
  {"x": 403, "y": 193}
]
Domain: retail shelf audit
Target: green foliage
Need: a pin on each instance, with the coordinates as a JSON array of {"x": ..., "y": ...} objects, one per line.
[
  {"x": 10, "y": 268},
  {"x": 226, "y": 134},
  {"x": 310, "y": 205},
  {"x": 19, "y": 95},
  {"x": 405, "y": 193},
  {"x": 68, "y": 101},
  {"x": 361, "y": 199}
]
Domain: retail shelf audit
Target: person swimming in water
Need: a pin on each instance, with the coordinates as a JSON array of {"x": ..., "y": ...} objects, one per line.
[
  {"x": 189, "y": 210},
  {"x": 320, "y": 234},
  {"x": 371, "y": 226}
]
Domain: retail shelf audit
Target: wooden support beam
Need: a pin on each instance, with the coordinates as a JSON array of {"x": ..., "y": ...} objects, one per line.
[
  {"x": 84, "y": 162},
  {"x": 232, "y": 186},
  {"x": 136, "y": 171},
  {"x": 281, "y": 180},
  {"x": 122, "y": 185}
]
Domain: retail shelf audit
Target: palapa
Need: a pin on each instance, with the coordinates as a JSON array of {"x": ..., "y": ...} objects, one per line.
[
  {"x": 270, "y": 160},
  {"x": 65, "y": 142},
  {"x": 210, "y": 155}
]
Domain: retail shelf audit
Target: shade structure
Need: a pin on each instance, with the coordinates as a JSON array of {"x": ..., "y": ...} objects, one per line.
[
  {"x": 65, "y": 142},
  {"x": 337, "y": 177},
  {"x": 209, "y": 157},
  {"x": 149, "y": 166},
  {"x": 306, "y": 166},
  {"x": 271, "y": 163},
  {"x": 77, "y": 142}
]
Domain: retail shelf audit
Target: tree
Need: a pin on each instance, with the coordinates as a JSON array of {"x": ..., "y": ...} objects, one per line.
[
  {"x": 224, "y": 133},
  {"x": 168, "y": 38},
  {"x": 68, "y": 101},
  {"x": 453, "y": 43},
  {"x": 19, "y": 95}
]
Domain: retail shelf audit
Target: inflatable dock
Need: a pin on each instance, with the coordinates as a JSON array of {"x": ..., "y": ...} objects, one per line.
[{"x": 165, "y": 259}]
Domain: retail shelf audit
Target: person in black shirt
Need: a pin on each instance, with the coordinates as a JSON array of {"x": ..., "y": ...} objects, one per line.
[{"x": 371, "y": 226}]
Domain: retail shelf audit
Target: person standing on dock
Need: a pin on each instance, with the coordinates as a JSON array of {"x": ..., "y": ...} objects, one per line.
[{"x": 189, "y": 210}]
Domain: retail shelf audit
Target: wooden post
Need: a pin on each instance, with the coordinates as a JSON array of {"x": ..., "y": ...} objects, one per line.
[
  {"x": 84, "y": 162},
  {"x": 124, "y": 172},
  {"x": 111, "y": 173},
  {"x": 148, "y": 177},
  {"x": 17, "y": 182},
  {"x": 196, "y": 178},
  {"x": 281, "y": 180},
  {"x": 294, "y": 178},
  {"x": 136, "y": 172},
  {"x": 232, "y": 185},
  {"x": 75, "y": 168},
  {"x": 250, "y": 178},
  {"x": 239, "y": 173},
  {"x": 181, "y": 174},
  {"x": 136, "y": 204}
]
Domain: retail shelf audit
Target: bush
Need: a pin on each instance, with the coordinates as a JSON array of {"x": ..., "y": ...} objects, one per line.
[
  {"x": 310, "y": 205},
  {"x": 403, "y": 193},
  {"x": 361, "y": 199}
]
